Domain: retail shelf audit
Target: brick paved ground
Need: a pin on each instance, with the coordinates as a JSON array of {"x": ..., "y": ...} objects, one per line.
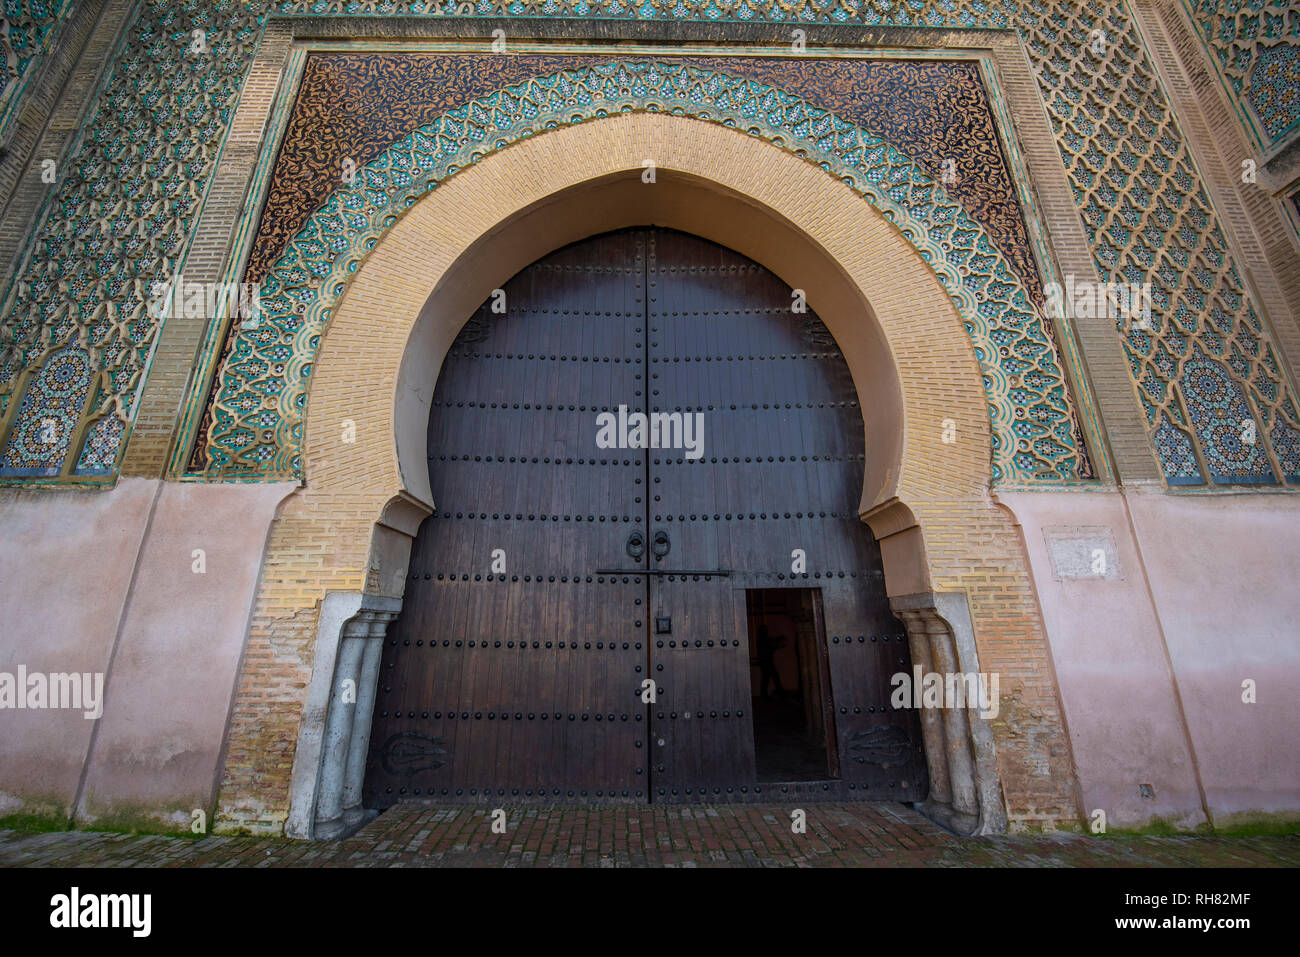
[{"x": 838, "y": 835}]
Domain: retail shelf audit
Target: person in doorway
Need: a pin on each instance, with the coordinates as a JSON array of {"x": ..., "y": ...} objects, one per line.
[{"x": 767, "y": 672}]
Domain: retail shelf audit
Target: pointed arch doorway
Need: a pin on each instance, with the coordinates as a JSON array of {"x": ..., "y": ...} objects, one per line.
[{"x": 646, "y": 579}]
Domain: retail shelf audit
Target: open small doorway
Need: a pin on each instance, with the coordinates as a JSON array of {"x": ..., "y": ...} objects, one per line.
[{"x": 794, "y": 727}]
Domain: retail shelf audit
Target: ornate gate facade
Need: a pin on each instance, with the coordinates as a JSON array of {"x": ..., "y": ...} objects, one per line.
[{"x": 644, "y": 440}]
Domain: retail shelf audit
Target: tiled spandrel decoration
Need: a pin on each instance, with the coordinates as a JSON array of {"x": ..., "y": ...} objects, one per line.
[
  {"x": 974, "y": 235},
  {"x": 125, "y": 204}
]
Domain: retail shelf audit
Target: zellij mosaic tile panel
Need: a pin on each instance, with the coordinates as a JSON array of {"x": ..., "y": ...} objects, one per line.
[
  {"x": 1034, "y": 424},
  {"x": 123, "y": 213},
  {"x": 1255, "y": 45}
]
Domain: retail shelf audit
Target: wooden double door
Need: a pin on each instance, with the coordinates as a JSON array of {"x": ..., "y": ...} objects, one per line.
[{"x": 581, "y": 610}]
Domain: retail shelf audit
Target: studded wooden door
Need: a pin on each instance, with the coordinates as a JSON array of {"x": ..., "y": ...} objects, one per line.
[
  {"x": 557, "y": 577},
  {"x": 775, "y": 481},
  {"x": 513, "y": 671}
]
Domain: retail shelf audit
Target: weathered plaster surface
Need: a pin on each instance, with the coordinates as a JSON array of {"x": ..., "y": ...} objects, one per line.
[
  {"x": 1151, "y": 650},
  {"x": 106, "y": 582}
]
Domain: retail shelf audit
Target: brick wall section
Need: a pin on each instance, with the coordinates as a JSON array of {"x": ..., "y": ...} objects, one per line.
[
  {"x": 50, "y": 117},
  {"x": 1252, "y": 219},
  {"x": 317, "y": 544},
  {"x": 972, "y": 546},
  {"x": 975, "y": 549},
  {"x": 320, "y": 540}
]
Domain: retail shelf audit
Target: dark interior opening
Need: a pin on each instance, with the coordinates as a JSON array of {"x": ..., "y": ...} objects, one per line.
[{"x": 793, "y": 719}]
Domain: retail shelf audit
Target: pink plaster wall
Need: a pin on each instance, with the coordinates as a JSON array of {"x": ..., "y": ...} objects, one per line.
[
  {"x": 83, "y": 573},
  {"x": 168, "y": 697},
  {"x": 65, "y": 566},
  {"x": 1149, "y": 660},
  {"x": 1114, "y": 677},
  {"x": 1225, "y": 572}
]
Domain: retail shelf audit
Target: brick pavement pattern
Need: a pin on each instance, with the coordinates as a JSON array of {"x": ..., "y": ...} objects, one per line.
[{"x": 838, "y": 835}]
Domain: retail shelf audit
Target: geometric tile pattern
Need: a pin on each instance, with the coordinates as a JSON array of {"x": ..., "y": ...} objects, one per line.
[
  {"x": 261, "y": 395},
  {"x": 122, "y": 213},
  {"x": 1219, "y": 413},
  {"x": 1174, "y": 448},
  {"x": 49, "y": 414},
  {"x": 123, "y": 210},
  {"x": 1144, "y": 207},
  {"x": 1248, "y": 42},
  {"x": 1148, "y": 218},
  {"x": 1275, "y": 88},
  {"x": 27, "y": 28},
  {"x": 353, "y": 106}
]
